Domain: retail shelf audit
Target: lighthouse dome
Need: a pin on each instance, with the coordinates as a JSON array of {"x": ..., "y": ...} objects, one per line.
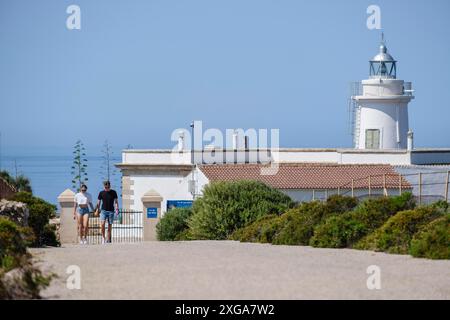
[{"x": 383, "y": 55}]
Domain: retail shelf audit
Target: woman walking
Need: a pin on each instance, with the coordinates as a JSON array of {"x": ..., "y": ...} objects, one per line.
[{"x": 83, "y": 200}]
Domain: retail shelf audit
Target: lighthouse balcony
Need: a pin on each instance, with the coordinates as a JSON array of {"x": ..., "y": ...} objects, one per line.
[
  {"x": 383, "y": 89},
  {"x": 392, "y": 98}
]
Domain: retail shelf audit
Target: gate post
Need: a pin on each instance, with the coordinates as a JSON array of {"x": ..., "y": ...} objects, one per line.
[
  {"x": 68, "y": 225},
  {"x": 151, "y": 202}
]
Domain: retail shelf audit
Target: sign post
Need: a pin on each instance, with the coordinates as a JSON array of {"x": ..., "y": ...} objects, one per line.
[{"x": 151, "y": 202}]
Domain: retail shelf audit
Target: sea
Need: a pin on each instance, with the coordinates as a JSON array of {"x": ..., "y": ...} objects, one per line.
[{"x": 50, "y": 172}]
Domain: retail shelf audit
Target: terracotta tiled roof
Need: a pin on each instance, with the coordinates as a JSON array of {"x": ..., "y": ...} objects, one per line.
[{"x": 309, "y": 175}]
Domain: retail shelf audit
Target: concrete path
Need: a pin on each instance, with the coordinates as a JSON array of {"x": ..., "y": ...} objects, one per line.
[{"x": 233, "y": 270}]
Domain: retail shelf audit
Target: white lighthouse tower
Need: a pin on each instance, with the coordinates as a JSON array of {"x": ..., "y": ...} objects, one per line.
[{"x": 381, "y": 115}]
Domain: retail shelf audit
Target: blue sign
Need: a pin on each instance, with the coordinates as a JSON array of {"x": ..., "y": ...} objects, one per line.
[
  {"x": 178, "y": 204},
  {"x": 152, "y": 213}
]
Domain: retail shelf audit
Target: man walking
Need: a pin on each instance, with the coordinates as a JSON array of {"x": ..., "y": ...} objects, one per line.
[{"x": 109, "y": 205}]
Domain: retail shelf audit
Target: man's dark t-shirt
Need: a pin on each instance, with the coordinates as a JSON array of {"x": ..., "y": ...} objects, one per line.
[{"x": 107, "y": 198}]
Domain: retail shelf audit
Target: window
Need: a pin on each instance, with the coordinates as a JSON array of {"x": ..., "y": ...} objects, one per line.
[{"x": 372, "y": 139}]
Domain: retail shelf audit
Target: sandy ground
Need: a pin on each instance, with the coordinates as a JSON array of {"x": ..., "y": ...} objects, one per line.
[{"x": 233, "y": 270}]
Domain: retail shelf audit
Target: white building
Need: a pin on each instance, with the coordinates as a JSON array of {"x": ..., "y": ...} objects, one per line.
[{"x": 383, "y": 152}]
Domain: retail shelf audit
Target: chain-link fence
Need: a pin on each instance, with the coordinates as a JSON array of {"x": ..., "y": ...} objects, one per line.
[{"x": 427, "y": 186}]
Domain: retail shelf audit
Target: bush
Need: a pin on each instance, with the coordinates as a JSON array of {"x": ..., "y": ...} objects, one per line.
[
  {"x": 262, "y": 230},
  {"x": 228, "y": 206},
  {"x": 173, "y": 223},
  {"x": 185, "y": 235},
  {"x": 346, "y": 229},
  {"x": 340, "y": 204},
  {"x": 298, "y": 223},
  {"x": 40, "y": 214},
  {"x": 295, "y": 227},
  {"x": 338, "y": 232},
  {"x": 433, "y": 240},
  {"x": 13, "y": 244},
  {"x": 395, "y": 235},
  {"x": 19, "y": 279},
  {"x": 374, "y": 212}
]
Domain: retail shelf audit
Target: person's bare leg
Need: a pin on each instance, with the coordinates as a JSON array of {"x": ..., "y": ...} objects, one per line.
[
  {"x": 85, "y": 225},
  {"x": 109, "y": 231},
  {"x": 103, "y": 228},
  {"x": 80, "y": 226}
]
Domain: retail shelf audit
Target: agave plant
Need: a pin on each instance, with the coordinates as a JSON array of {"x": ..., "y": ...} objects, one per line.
[{"x": 79, "y": 166}]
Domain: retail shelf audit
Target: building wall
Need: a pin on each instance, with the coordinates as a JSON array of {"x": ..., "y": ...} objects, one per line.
[
  {"x": 155, "y": 157},
  {"x": 202, "y": 181},
  {"x": 385, "y": 116},
  {"x": 127, "y": 192},
  {"x": 285, "y": 155},
  {"x": 400, "y": 157},
  {"x": 169, "y": 186}
]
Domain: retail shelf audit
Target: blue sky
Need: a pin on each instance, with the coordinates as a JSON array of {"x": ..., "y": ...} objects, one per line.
[{"x": 139, "y": 69}]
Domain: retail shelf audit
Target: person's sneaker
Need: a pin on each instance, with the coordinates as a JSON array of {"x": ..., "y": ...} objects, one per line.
[
  {"x": 103, "y": 240},
  {"x": 85, "y": 241},
  {"x": 81, "y": 242}
]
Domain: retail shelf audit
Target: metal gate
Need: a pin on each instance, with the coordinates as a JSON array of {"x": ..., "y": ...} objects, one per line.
[{"x": 127, "y": 227}]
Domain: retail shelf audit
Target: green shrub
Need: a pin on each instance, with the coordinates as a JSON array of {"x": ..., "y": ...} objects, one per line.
[
  {"x": 184, "y": 235},
  {"x": 395, "y": 235},
  {"x": 228, "y": 206},
  {"x": 433, "y": 240},
  {"x": 49, "y": 237},
  {"x": 441, "y": 205},
  {"x": 14, "y": 240},
  {"x": 298, "y": 223},
  {"x": 40, "y": 214},
  {"x": 374, "y": 212},
  {"x": 346, "y": 229},
  {"x": 338, "y": 231},
  {"x": 173, "y": 223},
  {"x": 340, "y": 204},
  {"x": 294, "y": 227},
  {"x": 12, "y": 244},
  {"x": 19, "y": 278},
  {"x": 262, "y": 230}
]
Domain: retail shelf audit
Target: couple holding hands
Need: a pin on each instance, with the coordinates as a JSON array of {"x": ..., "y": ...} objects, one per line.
[{"x": 107, "y": 204}]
